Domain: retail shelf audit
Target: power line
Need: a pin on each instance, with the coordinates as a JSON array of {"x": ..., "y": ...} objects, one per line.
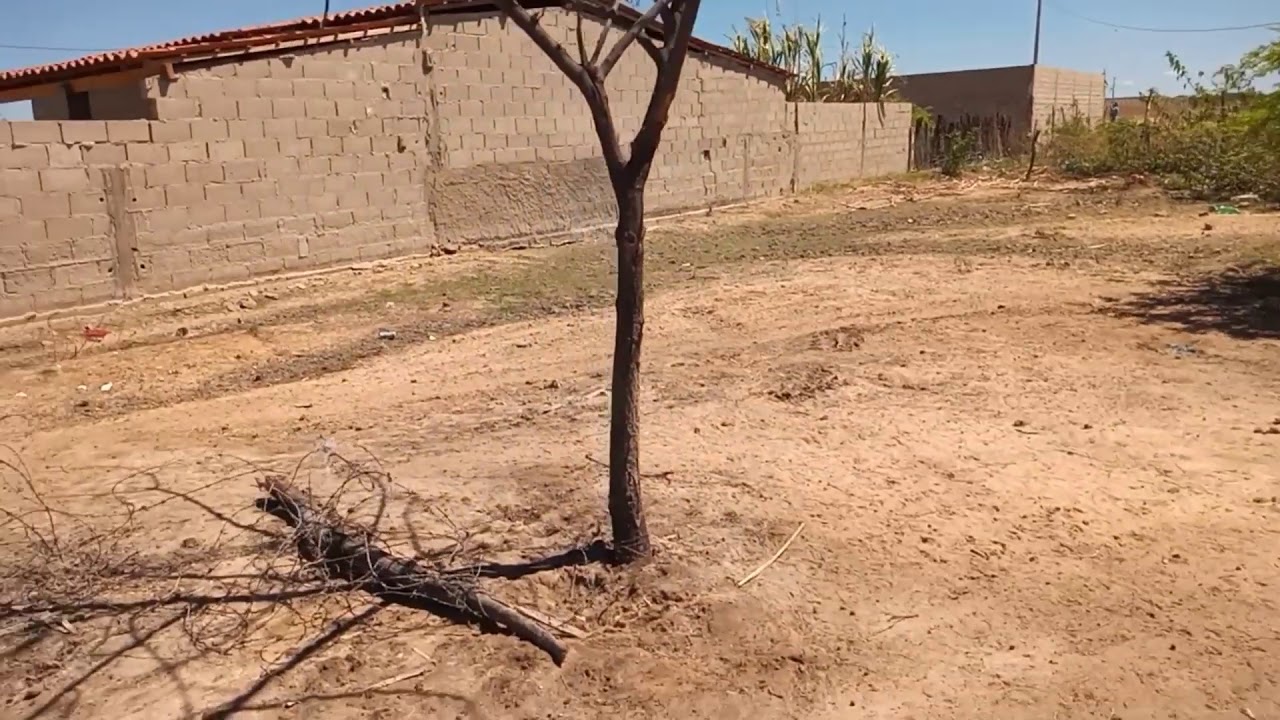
[
  {"x": 52, "y": 49},
  {"x": 1138, "y": 28}
]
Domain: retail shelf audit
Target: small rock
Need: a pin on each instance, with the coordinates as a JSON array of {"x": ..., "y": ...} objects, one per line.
[
  {"x": 190, "y": 542},
  {"x": 449, "y": 249},
  {"x": 248, "y": 303},
  {"x": 82, "y": 388},
  {"x": 270, "y": 296},
  {"x": 106, "y": 387},
  {"x": 181, "y": 332},
  {"x": 386, "y": 334},
  {"x": 20, "y": 395},
  {"x": 1161, "y": 213},
  {"x": 1019, "y": 423}
]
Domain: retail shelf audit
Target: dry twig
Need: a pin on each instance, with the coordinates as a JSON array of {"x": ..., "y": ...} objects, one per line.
[
  {"x": 765, "y": 565},
  {"x": 349, "y": 554}
]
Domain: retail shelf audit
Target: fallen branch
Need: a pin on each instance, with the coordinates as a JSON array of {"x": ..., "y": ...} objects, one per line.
[
  {"x": 346, "y": 554},
  {"x": 561, "y": 627},
  {"x": 765, "y": 565}
]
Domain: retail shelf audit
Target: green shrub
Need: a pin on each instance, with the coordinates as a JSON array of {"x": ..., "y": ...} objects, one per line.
[
  {"x": 1211, "y": 159},
  {"x": 958, "y": 149},
  {"x": 1223, "y": 141}
]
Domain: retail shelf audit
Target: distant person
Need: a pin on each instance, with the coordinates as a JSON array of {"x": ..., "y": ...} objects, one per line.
[{"x": 1114, "y": 112}]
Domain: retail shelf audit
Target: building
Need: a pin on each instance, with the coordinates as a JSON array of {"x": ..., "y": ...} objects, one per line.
[
  {"x": 1010, "y": 92},
  {"x": 371, "y": 134}
]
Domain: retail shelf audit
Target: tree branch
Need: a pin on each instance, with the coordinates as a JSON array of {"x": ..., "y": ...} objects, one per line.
[
  {"x": 604, "y": 34},
  {"x": 631, "y": 34},
  {"x": 677, "y": 29},
  {"x": 654, "y": 53},
  {"x": 582, "y": 76},
  {"x": 539, "y": 36}
]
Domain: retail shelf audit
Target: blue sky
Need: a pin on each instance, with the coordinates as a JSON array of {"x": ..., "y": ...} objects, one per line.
[{"x": 925, "y": 35}]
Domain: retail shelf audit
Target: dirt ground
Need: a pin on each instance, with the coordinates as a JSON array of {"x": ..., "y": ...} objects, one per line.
[{"x": 1031, "y": 432}]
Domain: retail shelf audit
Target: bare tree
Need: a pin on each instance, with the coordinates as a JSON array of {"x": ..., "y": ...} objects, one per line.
[{"x": 672, "y": 21}]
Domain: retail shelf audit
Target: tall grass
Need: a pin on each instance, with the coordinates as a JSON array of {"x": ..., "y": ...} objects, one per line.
[{"x": 861, "y": 75}]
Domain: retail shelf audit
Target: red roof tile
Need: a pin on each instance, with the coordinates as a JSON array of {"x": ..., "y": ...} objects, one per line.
[{"x": 247, "y": 39}]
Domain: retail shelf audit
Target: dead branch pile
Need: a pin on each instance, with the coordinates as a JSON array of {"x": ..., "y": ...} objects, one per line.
[{"x": 349, "y": 554}]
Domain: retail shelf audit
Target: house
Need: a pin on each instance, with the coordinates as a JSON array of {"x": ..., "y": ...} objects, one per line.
[{"x": 367, "y": 134}]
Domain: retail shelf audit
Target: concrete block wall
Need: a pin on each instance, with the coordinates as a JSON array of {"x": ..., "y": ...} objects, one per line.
[
  {"x": 464, "y": 133},
  {"x": 1003, "y": 91},
  {"x": 988, "y": 91},
  {"x": 834, "y": 145},
  {"x": 56, "y": 226},
  {"x": 1062, "y": 94}
]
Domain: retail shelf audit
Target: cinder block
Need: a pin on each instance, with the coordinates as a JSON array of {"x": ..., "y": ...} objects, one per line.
[
  {"x": 193, "y": 151},
  {"x": 279, "y": 127},
  {"x": 58, "y": 230},
  {"x": 201, "y": 172},
  {"x": 170, "y": 131},
  {"x": 97, "y": 247},
  {"x": 321, "y": 108},
  {"x": 223, "y": 193},
  {"x": 184, "y": 194},
  {"x": 29, "y": 281},
  {"x": 217, "y": 106},
  {"x": 242, "y": 170},
  {"x": 166, "y": 174},
  {"x": 102, "y": 154},
  {"x": 224, "y": 150},
  {"x": 147, "y": 153},
  {"x": 36, "y": 131},
  {"x": 88, "y": 203},
  {"x": 261, "y": 148},
  {"x": 299, "y": 147},
  {"x": 280, "y": 167},
  {"x": 64, "y": 155},
  {"x": 242, "y": 211},
  {"x": 251, "y": 69},
  {"x": 28, "y": 157},
  {"x": 79, "y": 274},
  {"x": 253, "y": 108},
  {"x": 173, "y": 108},
  {"x": 311, "y": 127},
  {"x": 273, "y": 87},
  {"x": 64, "y": 180},
  {"x": 84, "y": 131},
  {"x": 15, "y": 181},
  {"x": 42, "y": 206},
  {"x": 209, "y": 130}
]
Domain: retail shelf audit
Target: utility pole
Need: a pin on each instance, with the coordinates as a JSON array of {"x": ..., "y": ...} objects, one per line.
[{"x": 1035, "y": 52}]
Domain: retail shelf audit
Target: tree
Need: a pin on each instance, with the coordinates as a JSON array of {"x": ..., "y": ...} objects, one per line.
[{"x": 672, "y": 21}]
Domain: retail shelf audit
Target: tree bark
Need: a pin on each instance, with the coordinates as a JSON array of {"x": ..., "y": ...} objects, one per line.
[{"x": 626, "y": 505}]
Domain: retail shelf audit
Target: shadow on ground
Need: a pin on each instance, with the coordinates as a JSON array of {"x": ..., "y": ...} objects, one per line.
[{"x": 1241, "y": 302}]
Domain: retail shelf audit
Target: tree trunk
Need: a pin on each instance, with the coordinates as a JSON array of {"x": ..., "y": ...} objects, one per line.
[{"x": 626, "y": 507}]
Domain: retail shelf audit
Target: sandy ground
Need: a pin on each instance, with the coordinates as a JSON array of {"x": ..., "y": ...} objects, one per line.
[{"x": 1032, "y": 435}]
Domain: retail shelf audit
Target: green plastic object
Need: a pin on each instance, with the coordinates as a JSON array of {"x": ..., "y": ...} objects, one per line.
[{"x": 1225, "y": 209}]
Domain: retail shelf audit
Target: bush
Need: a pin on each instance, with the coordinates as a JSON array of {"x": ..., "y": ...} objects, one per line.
[
  {"x": 958, "y": 150},
  {"x": 1223, "y": 139},
  {"x": 1211, "y": 159}
]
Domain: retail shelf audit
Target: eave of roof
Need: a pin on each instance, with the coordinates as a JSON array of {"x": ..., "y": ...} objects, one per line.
[{"x": 314, "y": 30}]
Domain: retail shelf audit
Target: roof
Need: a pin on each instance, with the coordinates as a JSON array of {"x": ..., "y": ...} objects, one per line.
[{"x": 315, "y": 30}]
